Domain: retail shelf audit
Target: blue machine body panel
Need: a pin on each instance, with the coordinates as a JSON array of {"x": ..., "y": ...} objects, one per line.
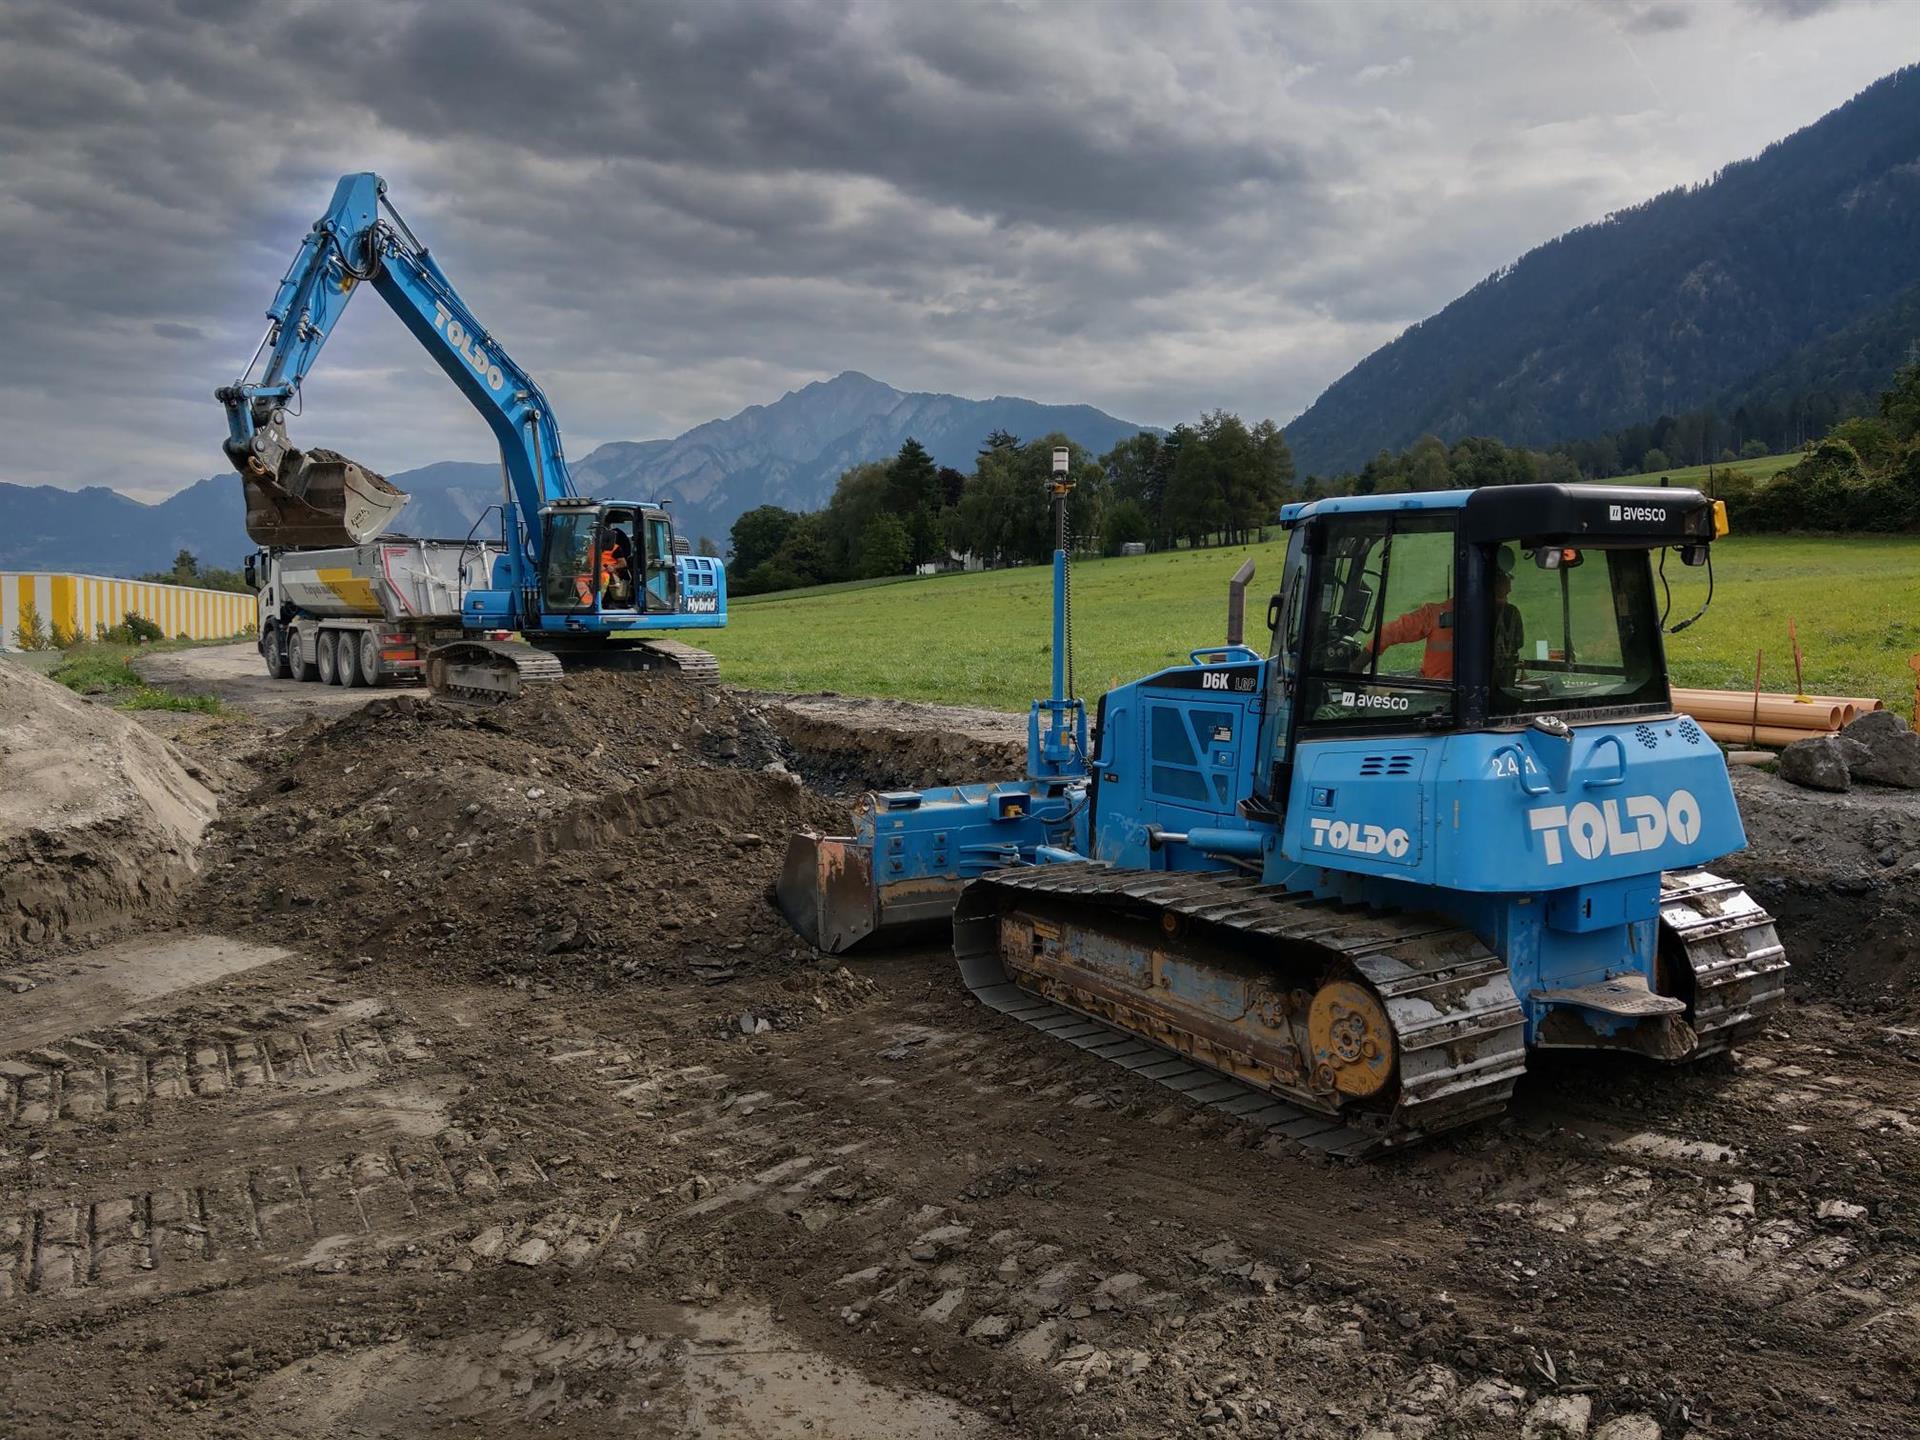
[{"x": 1547, "y": 840}]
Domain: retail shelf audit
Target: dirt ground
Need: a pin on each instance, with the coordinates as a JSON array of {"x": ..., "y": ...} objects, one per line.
[{"x": 476, "y": 1089}]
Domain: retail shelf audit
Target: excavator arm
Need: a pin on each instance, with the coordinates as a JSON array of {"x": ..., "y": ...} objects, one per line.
[{"x": 297, "y": 497}]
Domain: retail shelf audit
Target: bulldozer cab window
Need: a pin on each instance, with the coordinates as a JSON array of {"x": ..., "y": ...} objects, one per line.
[
  {"x": 1383, "y": 621},
  {"x": 1581, "y": 634}
]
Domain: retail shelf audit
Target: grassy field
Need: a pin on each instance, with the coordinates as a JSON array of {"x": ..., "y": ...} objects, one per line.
[
  {"x": 982, "y": 639},
  {"x": 1698, "y": 477},
  {"x": 105, "y": 668}
]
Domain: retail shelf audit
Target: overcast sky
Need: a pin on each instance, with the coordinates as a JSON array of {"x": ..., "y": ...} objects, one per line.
[{"x": 670, "y": 211}]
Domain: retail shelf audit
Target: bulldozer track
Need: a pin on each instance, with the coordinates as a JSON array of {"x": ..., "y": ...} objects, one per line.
[
  {"x": 1732, "y": 950},
  {"x": 1457, "y": 1024}
]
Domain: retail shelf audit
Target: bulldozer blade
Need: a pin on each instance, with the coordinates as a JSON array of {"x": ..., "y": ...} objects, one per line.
[
  {"x": 826, "y": 890},
  {"x": 318, "y": 498}
]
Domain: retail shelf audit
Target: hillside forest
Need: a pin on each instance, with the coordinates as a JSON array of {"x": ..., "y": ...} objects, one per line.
[{"x": 1222, "y": 481}]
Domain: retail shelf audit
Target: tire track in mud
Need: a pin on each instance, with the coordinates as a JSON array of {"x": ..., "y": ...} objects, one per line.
[
  {"x": 1414, "y": 1289},
  {"x": 86, "y": 1078},
  {"x": 236, "y": 1217}
]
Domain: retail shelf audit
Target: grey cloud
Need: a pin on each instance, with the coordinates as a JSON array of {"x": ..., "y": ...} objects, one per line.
[{"x": 672, "y": 210}]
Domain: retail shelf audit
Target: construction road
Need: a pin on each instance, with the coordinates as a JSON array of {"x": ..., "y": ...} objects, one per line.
[{"x": 624, "y": 1159}]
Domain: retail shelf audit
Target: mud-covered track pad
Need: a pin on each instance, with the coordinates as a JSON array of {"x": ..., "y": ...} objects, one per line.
[{"x": 1458, "y": 1026}]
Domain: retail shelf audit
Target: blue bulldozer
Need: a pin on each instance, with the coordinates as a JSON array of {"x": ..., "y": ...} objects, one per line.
[{"x": 1450, "y": 818}]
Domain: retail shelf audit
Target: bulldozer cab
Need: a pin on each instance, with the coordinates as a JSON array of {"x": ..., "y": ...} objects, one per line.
[{"x": 1471, "y": 610}]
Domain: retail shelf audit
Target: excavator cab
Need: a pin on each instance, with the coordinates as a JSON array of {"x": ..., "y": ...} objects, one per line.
[{"x": 609, "y": 558}]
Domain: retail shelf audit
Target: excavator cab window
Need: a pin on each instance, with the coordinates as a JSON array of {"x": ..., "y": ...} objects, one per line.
[
  {"x": 618, "y": 563},
  {"x": 659, "y": 563},
  {"x": 572, "y": 560}
]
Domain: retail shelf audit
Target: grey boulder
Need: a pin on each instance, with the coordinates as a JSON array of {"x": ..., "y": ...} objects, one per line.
[
  {"x": 1818, "y": 763},
  {"x": 1880, "y": 748}
]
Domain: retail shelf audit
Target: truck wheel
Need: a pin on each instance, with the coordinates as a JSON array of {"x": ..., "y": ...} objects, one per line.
[
  {"x": 329, "y": 659},
  {"x": 369, "y": 658},
  {"x": 300, "y": 654},
  {"x": 273, "y": 650},
  {"x": 346, "y": 661}
]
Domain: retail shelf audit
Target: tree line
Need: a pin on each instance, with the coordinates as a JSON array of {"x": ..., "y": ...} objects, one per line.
[
  {"x": 1218, "y": 480},
  {"x": 1863, "y": 474}
]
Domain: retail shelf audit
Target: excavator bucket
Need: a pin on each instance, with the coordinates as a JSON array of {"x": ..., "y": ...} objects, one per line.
[{"x": 317, "y": 497}]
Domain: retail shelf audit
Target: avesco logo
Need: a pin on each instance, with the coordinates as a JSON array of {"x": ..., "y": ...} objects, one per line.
[
  {"x": 1358, "y": 839},
  {"x": 1360, "y": 700},
  {"x": 1596, "y": 830},
  {"x": 468, "y": 347},
  {"x": 1647, "y": 514}
]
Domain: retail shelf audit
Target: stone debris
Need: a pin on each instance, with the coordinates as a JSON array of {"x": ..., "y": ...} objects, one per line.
[
  {"x": 1816, "y": 763},
  {"x": 1558, "y": 1417},
  {"x": 1878, "y": 748},
  {"x": 1629, "y": 1427},
  {"x": 531, "y": 1251},
  {"x": 941, "y": 1310},
  {"x": 991, "y": 1327},
  {"x": 938, "y": 1243}
]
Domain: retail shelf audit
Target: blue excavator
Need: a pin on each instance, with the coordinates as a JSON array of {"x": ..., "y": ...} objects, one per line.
[
  {"x": 1345, "y": 889},
  {"x": 572, "y": 576}
]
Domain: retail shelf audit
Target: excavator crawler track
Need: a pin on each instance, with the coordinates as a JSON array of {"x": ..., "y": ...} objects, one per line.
[
  {"x": 689, "y": 662},
  {"x": 1456, "y": 1043},
  {"x": 487, "y": 672},
  {"x": 1723, "y": 954}
]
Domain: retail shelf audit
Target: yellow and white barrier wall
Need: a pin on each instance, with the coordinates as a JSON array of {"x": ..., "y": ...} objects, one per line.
[{"x": 80, "y": 602}]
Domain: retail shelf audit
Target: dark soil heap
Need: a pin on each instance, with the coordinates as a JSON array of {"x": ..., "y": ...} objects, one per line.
[
  {"x": 605, "y": 828},
  {"x": 1841, "y": 876}
]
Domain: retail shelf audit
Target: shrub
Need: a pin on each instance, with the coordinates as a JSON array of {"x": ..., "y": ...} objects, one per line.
[{"x": 31, "y": 631}]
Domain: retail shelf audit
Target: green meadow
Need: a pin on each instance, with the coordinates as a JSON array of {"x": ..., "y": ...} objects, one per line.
[{"x": 983, "y": 639}]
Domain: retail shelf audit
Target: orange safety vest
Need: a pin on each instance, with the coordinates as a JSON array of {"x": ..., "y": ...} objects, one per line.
[{"x": 1424, "y": 623}]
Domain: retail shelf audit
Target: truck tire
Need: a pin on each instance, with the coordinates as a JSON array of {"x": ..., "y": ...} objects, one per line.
[
  {"x": 329, "y": 658},
  {"x": 369, "y": 658},
  {"x": 346, "y": 660},
  {"x": 273, "y": 650},
  {"x": 301, "y": 657}
]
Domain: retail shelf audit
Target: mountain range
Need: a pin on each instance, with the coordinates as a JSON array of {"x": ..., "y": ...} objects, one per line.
[
  {"x": 1795, "y": 269},
  {"x": 787, "y": 453}
]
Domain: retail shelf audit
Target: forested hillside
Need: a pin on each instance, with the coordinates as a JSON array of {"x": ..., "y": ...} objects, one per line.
[{"x": 1785, "y": 272}]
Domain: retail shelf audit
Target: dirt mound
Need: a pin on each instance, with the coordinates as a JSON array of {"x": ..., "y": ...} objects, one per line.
[
  {"x": 846, "y": 745},
  {"x": 99, "y": 818},
  {"x": 604, "y": 828},
  {"x": 1841, "y": 875}
]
